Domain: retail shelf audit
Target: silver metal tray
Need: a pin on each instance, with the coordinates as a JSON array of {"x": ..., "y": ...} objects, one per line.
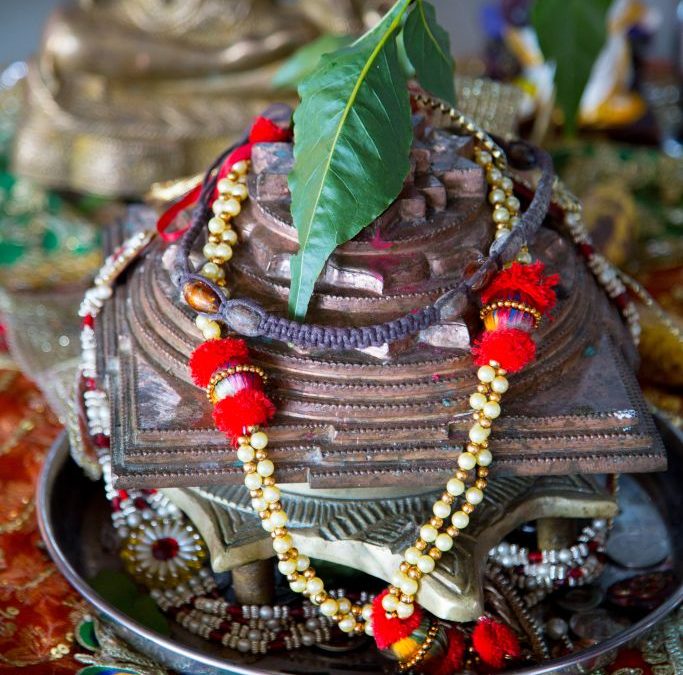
[{"x": 73, "y": 519}]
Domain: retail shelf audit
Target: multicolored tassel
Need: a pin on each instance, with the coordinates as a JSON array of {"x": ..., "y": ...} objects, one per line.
[
  {"x": 233, "y": 385},
  {"x": 513, "y": 305}
]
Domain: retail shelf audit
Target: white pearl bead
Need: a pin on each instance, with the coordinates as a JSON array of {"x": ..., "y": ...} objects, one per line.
[
  {"x": 298, "y": 586},
  {"x": 404, "y": 610},
  {"x": 303, "y": 562},
  {"x": 441, "y": 509},
  {"x": 271, "y": 493},
  {"x": 486, "y": 374},
  {"x": 512, "y": 203},
  {"x": 503, "y": 233},
  {"x": 479, "y": 434},
  {"x": 329, "y": 607},
  {"x": 212, "y": 331},
  {"x": 347, "y": 624},
  {"x": 426, "y": 564},
  {"x": 466, "y": 461},
  {"x": 412, "y": 555},
  {"x": 460, "y": 520},
  {"x": 253, "y": 481},
  {"x": 245, "y": 453},
  {"x": 315, "y": 585},
  {"x": 267, "y": 525},
  {"x": 409, "y": 586},
  {"x": 287, "y": 567},
  {"x": 211, "y": 270},
  {"x": 474, "y": 495},
  {"x": 344, "y": 605},
  {"x": 239, "y": 191},
  {"x": 477, "y": 401},
  {"x": 225, "y": 186},
  {"x": 496, "y": 196},
  {"x": 265, "y": 468},
  {"x": 209, "y": 250},
  {"x": 283, "y": 543},
  {"x": 389, "y": 602},
  {"x": 229, "y": 237},
  {"x": 455, "y": 487},
  {"x": 484, "y": 457},
  {"x": 492, "y": 410},
  {"x": 428, "y": 532},
  {"x": 201, "y": 321},
  {"x": 278, "y": 518},
  {"x": 259, "y": 504},
  {"x": 484, "y": 158},
  {"x": 369, "y": 630},
  {"x": 216, "y": 225},
  {"x": 222, "y": 251},
  {"x": 500, "y": 384},
  {"x": 258, "y": 440},
  {"x": 444, "y": 542},
  {"x": 232, "y": 207},
  {"x": 240, "y": 168},
  {"x": 501, "y": 215},
  {"x": 366, "y": 612}
]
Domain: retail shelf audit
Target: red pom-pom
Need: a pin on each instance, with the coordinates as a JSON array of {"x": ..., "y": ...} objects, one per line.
[
  {"x": 527, "y": 282},
  {"x": 494, "y": 642},
  {"x": 246, "y": 408},
  {"x": 387, "y": 631},
  {"x": 453, "y": 659},
  {"x": 512, "y": 348},
  {"x": 212, "y": 355}
]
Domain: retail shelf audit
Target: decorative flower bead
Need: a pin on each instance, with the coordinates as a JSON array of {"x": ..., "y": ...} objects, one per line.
[{"x": 460, "y": 520}]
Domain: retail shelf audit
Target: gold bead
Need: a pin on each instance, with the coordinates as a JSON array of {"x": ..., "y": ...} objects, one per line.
[
  {"x": 495, "y": 397},
  {"x": 414, "y": 573},
  {"x": 452, "y": 531},
  {"x": 468, "y": 508},
  {"x": 485, "y": 422},
  {"x": 320, "y": 598},
  {"x": 421, "y": 544},
  {"x": 404, "y": 567},
  {"x": 269, "y": 480},
  {"x": 481, "y": 483},
  {"x": 356, "y": 610},
  {"x": 434, "y": 553},
  {"x": 483, "y": 471},
  {"x": 461, "y": 475},
  {"x": 447, "y": 498},
  {"x": 436, "y": 522},
  {"x": 249, "y": 467},
  {"x": 309, "y": 573}
]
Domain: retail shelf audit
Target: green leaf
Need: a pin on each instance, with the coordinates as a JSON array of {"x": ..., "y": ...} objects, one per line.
[
  {"x": 429, "y": 49},
  {"x": 305, "y": 60},
  {"x": 352, "y": 136},
  {"x": 571, "y": 33}
]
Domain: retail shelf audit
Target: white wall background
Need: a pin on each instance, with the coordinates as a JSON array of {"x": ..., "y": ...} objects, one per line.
[{"x": 21, "y": 23}]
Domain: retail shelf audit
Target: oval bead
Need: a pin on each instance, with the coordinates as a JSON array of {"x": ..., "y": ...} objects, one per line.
[{"x": 200, "y": 297}]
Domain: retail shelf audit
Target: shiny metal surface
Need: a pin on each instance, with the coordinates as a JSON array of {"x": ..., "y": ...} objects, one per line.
[{"x": 72, "y": 511}]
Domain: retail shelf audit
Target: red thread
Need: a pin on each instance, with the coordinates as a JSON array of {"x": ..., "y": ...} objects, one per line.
[
  {"x": 249, "y": 407},
  {"x": 389, "y": 630},
  {"x": 512, "y": 348},
  {"x": 525, "y": 283},
  {"x": 263, "y": 130},
  {"x": 213, "y": 355},
  {"x": 494, "y": 642}
]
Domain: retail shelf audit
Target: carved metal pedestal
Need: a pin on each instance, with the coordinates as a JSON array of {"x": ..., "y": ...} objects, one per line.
[{"x": 369, "y": 531}]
